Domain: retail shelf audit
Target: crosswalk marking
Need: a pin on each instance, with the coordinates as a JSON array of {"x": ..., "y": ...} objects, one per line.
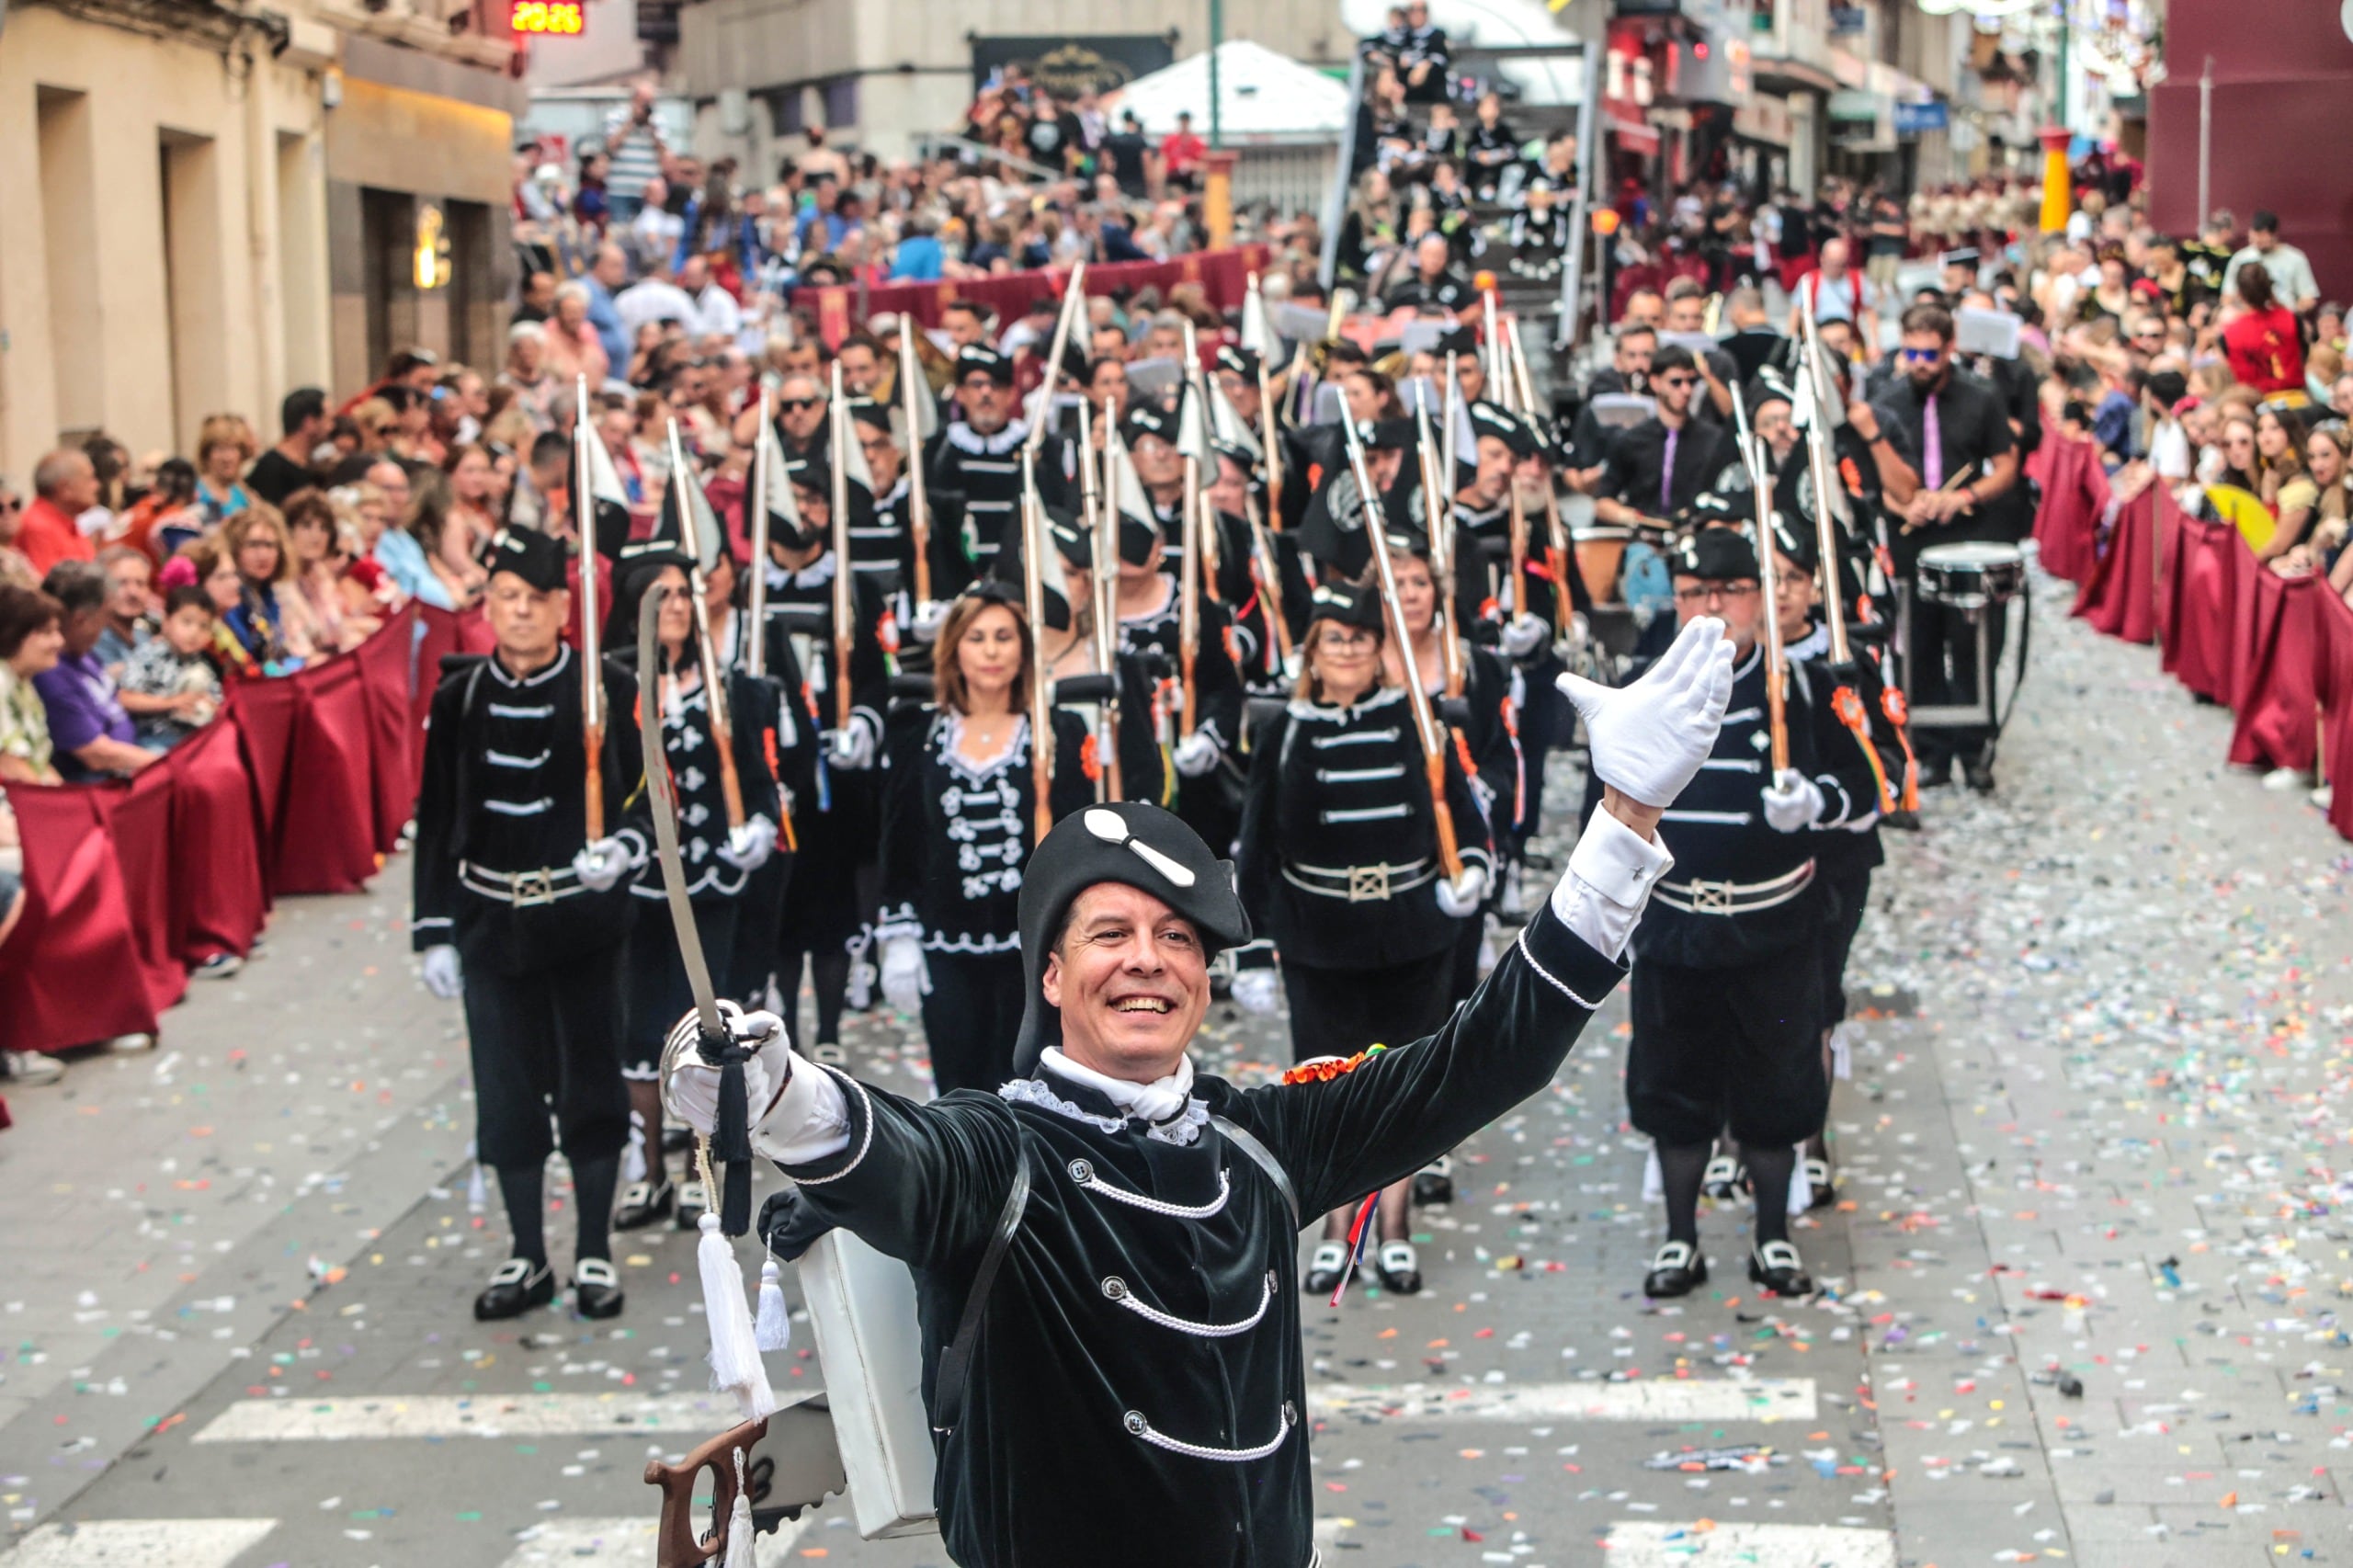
[
  {"x": 139, "y": 1543},
  {"x": 1662, "y": 1545},
  {"x": 481, "y": 1415},
  {"x": 614, "y": 1543},
  {"x": 1656, "y": 1399}
]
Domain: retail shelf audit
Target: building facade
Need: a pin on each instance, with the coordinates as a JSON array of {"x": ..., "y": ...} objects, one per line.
[{"x": 208, "y": 210}]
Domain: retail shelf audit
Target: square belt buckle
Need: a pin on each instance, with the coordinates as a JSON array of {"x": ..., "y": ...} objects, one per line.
[
  {"x": 533, "y": 888},
  {"x": 1711, "y": 898},
  {"x": 1368, "y": 884}
]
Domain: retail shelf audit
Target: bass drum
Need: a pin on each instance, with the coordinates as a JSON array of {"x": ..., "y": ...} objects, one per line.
[{"x": 1975, "y": 575}]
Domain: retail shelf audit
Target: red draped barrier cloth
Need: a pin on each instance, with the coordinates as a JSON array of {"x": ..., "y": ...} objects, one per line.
[
  {"x": 2197, "y": 646},
  {"x": 2119, "y": 597},
  {"x": 1220, "y": 273},
  {"x": 129, "y": 883},
  {"x": 2279, "y": 665},
  {"x": 2075, "y": 494},
  {"x": 2334, "y": 688}
]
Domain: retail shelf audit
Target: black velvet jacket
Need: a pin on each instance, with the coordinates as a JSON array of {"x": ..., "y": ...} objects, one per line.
[{"x": 1138, "y": 1388}]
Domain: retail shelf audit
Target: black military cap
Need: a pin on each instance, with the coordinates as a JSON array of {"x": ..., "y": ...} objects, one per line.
[
  {"x": 1486, "y": 419},
  {"x": 975, "y": 358},
  {"x": 537, "y": 558},
  {"x": 1138, "y": 539},
  {"x": 1386, "y": 434},
  {"x": 1717, "y": 555},
  {"x": 1347, "y": 605},
  {"x": 1459, "y": 340},
  {"x": 868, "y": 412},
  {"x": 1137, "y": 846},
  {"x": 1142, "y": 419},
  {"x": 1243, "y": 362},
  {"x": 1792, "y": 538}
]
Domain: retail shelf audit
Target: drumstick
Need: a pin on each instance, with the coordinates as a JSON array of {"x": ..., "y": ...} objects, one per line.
[{"x": 1960, "y": 477}]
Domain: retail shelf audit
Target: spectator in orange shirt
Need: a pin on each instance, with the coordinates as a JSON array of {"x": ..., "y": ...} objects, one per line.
[{"x": 65, "y": 485}]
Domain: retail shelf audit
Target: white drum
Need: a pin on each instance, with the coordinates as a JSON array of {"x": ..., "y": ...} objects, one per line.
[{"x": 1974, "y": 574}]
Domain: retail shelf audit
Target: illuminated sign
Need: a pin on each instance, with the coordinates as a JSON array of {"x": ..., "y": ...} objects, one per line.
[{"x": 557, "y": 18}]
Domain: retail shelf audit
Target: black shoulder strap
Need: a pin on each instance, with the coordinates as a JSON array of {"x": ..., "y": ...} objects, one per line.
[
  {"x": 956, "y": 1361},
  {"x": 1260, "y": 1156}
]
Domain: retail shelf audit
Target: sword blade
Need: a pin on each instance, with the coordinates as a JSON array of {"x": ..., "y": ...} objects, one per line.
[{"x": 664, "y": 801}]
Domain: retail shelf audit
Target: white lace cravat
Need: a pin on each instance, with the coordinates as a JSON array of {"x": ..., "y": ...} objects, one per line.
[{"x": 1155, "y": 1101}]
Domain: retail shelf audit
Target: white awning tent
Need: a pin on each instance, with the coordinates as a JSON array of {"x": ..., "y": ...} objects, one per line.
[{"x": 1265, "y": 98}]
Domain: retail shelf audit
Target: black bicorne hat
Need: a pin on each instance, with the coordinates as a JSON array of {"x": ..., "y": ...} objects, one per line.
[{"x": 537, "y": 558}]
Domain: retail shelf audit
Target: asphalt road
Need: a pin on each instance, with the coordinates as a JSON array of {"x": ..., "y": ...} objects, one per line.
[{"x": 2080, "y": 1291}]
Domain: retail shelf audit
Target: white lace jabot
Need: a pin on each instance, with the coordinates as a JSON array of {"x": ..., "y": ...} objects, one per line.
[{"x": 1155, "y": 1101}]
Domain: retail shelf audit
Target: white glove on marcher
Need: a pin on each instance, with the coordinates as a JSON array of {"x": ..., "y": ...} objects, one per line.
[
  {"x": 690, "y": 1085},
  {"x": 1459, "y": 897},
  {"x": 906, "y": 973},
  {"x": 1650, "y": 738},
  {"x": 850, "y": 748},
  {"x": 1523, "y": 635},
  {"x": 748, "y": 847},
  {"x": 1580, "y": 631},
  {"x": 444, "y": 977},
  {"x": 931, "y": 616},
  {"x": 1256, "y": 991},
  {"x": 1195, "y": 754},
  {"x": 1792, "y": 801},
  {"x": 600, "y": 864}
]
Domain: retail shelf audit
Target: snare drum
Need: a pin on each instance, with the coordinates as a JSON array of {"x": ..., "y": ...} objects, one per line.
[
  {"x": 1602, "y": 552},
  {"x": 1972, "y": 576}
]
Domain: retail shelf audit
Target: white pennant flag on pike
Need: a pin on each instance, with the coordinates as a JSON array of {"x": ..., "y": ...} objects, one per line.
[
  {"x": 784, "y": 512},
  {"x": 1127, "y": 490},
  {"x": 1193, "y": 427},
  {"x": 608, "y": 499},
  {"x": 1257, "y": 332},
  {"x": 708, "y": 535},
  {"x": 853, "y": 454},
  {"x": 1228, "y": 427}
]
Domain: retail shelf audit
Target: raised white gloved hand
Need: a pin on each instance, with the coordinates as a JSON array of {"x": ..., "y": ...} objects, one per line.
[
  {"x": 444, "y": 977},
  {"x": 1523, "y": 635},
  {"x": 1792, "y": 801},
  {"x": 1650, "y": 738},
  {"x": 931, "y": 616},
  {"x": 1195, "y": 754},
  {"x": 690, "y": 1085},
  {"x": 1459, "y": 897},
  {"x": 850, "y": 748},
  {"x": 748, "y": 847},
  {"x": 600, "y": 864},
  {"x": 1254, "y": 990},
  {"x": 906, "y": 973}
]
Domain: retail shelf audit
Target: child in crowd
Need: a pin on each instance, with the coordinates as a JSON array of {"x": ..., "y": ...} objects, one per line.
[{"x": 173, "y": 664}]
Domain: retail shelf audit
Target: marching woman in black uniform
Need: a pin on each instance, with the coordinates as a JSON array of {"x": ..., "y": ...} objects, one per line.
[
  {"x": 721, "y": 864},
  {"x": 959, "y": 820},
  {"x": 523, "y": 915},
  {"x": 837, "y": 820},
  {"x": 1339, "y": 867},
  {"x": 1069, "y": 651},
  {"x": 1727, "y": 992}
]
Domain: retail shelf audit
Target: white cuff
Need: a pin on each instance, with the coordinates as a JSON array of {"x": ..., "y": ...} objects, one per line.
[
  {"x": 1610, "y": 875},
  {"x": 809, "y": 1122}
]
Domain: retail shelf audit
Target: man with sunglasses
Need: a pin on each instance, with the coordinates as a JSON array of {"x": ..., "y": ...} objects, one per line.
[
  {"x": 1948, "y": 455},
  {"x": 1656, "y": 469},
  {"x": 976, "y": 457},
  {"x": 800, "y": 417}
]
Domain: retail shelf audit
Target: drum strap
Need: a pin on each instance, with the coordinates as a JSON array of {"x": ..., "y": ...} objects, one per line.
[
  {"x": 2026, "y": 634},
  {"x": 956, "y": 1361}
]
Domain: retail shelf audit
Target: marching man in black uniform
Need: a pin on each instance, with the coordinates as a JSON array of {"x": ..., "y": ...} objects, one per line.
[
  {"x": 1727, "y": 994},
  {"x": 1140, "y": 1343},
  {"x": 520, "y": 912}
]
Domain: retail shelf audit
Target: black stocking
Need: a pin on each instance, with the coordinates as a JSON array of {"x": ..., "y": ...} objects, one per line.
[
  {"x": 523, "y": 1189},
  {"x": 1770, "y": 1167},
  {"x": 1681, "y": 1166},
  {"x": 593, "y": 1182}
]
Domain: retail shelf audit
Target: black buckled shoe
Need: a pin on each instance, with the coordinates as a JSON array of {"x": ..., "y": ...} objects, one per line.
[
  {"x": 692, "y": 1202},
  {"x": 1821, "y": 1191},
  {"x": 1400, "y": 1268},
  {"x": 1434, "y": 1183},
  {"x": 1720, "y": 1182},
  {"x": 595, "y": 1288},
  {"x": 517, "y": 1286},
  {"x": 1325, "y": 1269},
  {"x": 1777, "y": 1267},
  {"x": 644, "y": 1203},
  {"x": 1677, "y": 1270}
]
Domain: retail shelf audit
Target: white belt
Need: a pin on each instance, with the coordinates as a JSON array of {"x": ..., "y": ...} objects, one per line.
[
  {"x": 1359, "y": 884},
  {"x": 521, "y": 889},
  {"x": 1697, "y": 897}
]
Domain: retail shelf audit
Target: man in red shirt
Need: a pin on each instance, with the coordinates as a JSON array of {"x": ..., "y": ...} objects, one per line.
[
  {"x": 65, "y": 486},
  {"x": 1182, "y": 151}
]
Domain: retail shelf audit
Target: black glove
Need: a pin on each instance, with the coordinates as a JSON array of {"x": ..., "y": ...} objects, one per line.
[{"x": 789, "y": 1226}]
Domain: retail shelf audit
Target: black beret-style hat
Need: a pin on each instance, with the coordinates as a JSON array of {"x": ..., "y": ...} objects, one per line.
[
  {"x": 1717, "y": 555},
  {"x": 1138, "y": 845},
  {"x": 1346, "y": 605},
  {"x": 537, "y": 558},
  {"x": 975, "y": 358}
]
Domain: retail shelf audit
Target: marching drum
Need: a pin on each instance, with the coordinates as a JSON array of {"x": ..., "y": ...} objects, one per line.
[
  {"x": 1600, "y": 552},
  {"x": 1972, "y": 576}
]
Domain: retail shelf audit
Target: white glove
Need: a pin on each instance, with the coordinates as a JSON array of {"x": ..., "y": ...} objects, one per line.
[
  {"x": 1649, "y": 738},
  {"x": 690, "y": 1085},
  {"x": 748, "y": 847},
  {"x": 1195, "y": 754},
  {"x": 1254, "y": 990},
  {"x": 1459, "y": 897},
  {"x": 907, "y": 974},
  {"x": 850, "y": 748},
  {"x": 931, "y": 616},
  {"x": 444, "y": 977},
  {"x": 1580, "y": 631},
  {"x": 1523, "y": 635},
  {"x": 1792, "y": 801},
  {"x": 600, "y": 864}
]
